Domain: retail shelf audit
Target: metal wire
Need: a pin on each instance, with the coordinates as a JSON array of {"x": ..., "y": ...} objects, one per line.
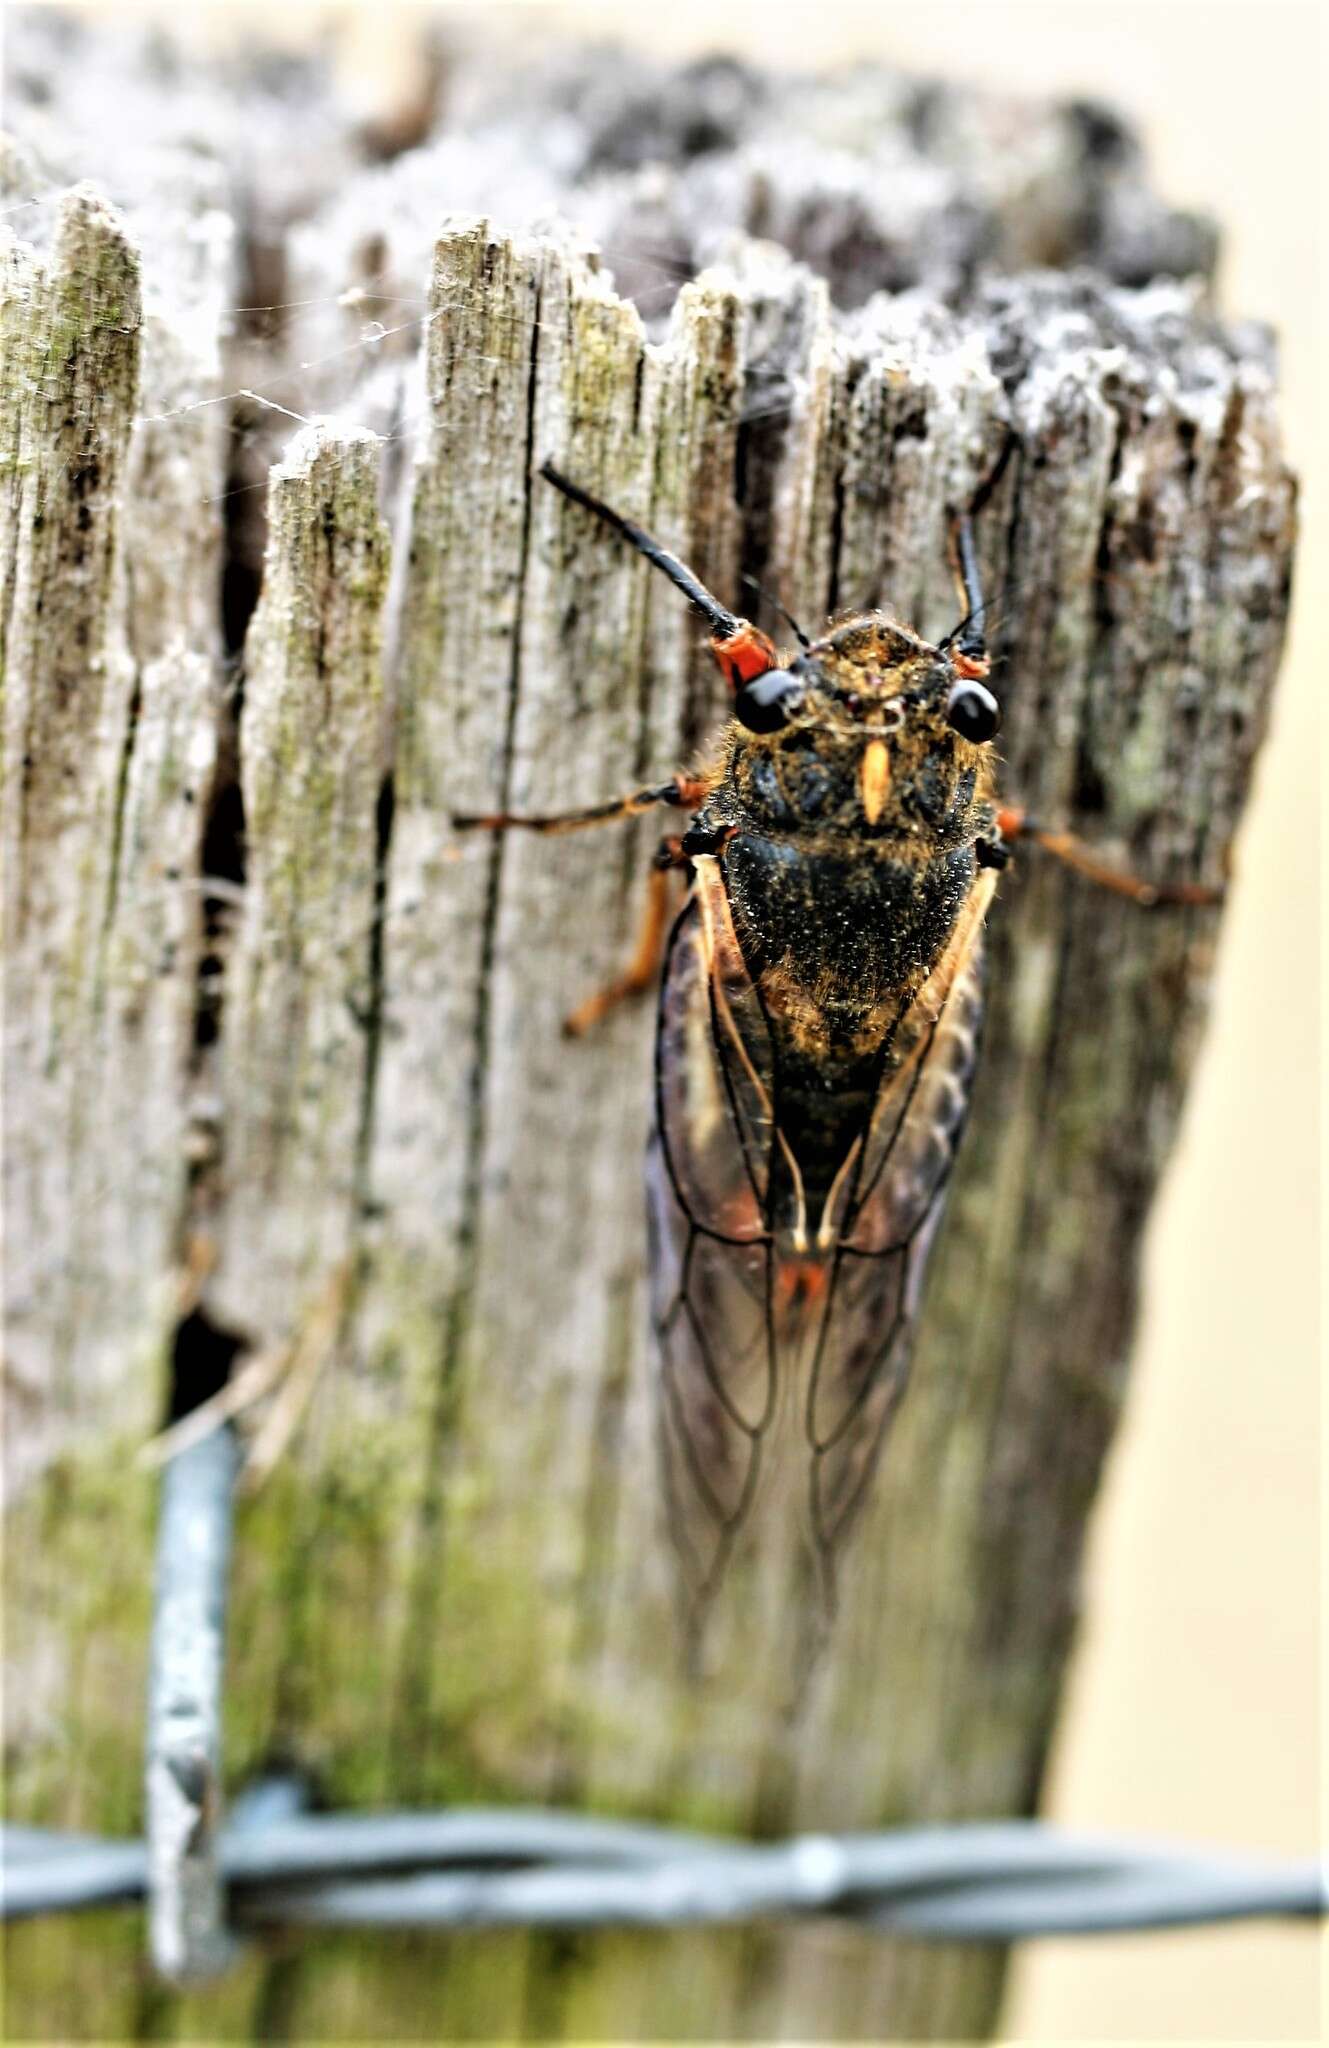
[
  {"x": 182, "y": 1784},
  {"x": 272, "y": 1864},
  {"x": 998, "y": 1881}
]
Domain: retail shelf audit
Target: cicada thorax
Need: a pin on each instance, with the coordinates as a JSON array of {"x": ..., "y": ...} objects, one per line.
[
  {"x": 849, "y": 859},
  {"x": 818, "y": 1022}
]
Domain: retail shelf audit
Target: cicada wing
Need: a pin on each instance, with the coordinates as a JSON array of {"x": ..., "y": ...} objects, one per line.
[
  {"x": 714, "y": 1068},
  {"x": 708, "y": 1175},
  {"x": 724, "y": 1344},
  {"x": 716, "y": 1378},
  {"x": 890, "y": 1215},
  {"x": 859, "y": 1371}
]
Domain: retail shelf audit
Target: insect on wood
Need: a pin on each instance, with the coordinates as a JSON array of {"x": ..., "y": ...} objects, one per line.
[{"x": 817, "y": 1036}]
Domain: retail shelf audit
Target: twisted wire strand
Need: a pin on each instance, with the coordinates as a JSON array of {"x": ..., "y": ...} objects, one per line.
[{"x": 996, "y": 1881}]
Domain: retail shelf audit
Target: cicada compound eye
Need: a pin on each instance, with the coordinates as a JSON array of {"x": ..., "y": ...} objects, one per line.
[
  {"x": 769, "y": 701},
  {"x": 973, "y": 711}
]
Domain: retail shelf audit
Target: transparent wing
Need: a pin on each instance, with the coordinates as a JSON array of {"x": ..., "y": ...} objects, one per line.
[
  {"x": 739, "y": 1318},
  {"x": 708, "y": 1173},
  {"x": 861, "y": 1352}
]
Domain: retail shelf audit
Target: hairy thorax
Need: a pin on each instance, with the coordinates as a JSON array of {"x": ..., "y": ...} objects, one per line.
[
  {"x": 847, "y": 845},
  {"x": 839, "y": 941}
]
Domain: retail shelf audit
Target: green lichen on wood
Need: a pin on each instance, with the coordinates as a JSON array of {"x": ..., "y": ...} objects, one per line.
[
  {"x": 73, "y": 381},
  {"x": 106, "y": 761},
  {"x": 106, "y": 765},
  {"x": 300, "y": 993},
  {"x": 88, "y": 1677}
]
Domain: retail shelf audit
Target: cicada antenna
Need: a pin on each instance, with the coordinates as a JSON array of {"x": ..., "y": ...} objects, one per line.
[
  {"x": 740, "y": 649},
  {"x": 776, "y": 606},
  {"x": 722, "y": 621},
  {"x": 969, "y": 638}
]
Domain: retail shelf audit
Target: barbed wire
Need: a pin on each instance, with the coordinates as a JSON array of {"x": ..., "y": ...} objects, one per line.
[
  {"x": 475, "y": 1867},
  {"x": 272, "y": 1864}
]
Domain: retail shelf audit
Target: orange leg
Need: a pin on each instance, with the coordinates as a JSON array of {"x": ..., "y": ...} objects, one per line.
[
  {"x": 1015, "y": 824},
  {"x": 640, "y": 973},
  {"x": 686, "y": 791}
]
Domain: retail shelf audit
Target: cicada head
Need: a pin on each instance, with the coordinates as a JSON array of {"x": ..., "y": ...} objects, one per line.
[{"x": 872, "y": 732}]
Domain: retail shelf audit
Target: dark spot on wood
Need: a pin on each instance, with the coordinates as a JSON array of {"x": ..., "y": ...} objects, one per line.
[{"x": 202, "y": 1354}]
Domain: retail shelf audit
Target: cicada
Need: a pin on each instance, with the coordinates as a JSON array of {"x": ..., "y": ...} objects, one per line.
[{"x": 817, "y": 1036}]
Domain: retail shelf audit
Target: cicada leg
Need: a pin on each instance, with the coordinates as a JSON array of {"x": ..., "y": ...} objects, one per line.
[
  {"x": 685, "y": 791},
  {"x": 643, "y": 968},
  {"x": 1014, "y": 824}
]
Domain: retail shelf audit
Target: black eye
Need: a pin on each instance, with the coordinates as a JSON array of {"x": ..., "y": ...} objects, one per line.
[
  {"x": 973, "y": 712},
  {"x": 769, "y": 701}
]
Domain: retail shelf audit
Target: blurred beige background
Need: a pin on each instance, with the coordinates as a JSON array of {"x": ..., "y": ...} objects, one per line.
[{"x": 1194, "y": 1703}]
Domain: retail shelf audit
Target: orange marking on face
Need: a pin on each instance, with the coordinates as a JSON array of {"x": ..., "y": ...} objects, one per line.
[
  {"x": 973, "y": 668},
  {"x": 874, "y": 778},
  {"x": 745, "y": 654}
]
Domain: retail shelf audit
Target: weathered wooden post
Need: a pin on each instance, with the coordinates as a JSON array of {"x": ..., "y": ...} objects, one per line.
[{"x": 284, "y": 1071}]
